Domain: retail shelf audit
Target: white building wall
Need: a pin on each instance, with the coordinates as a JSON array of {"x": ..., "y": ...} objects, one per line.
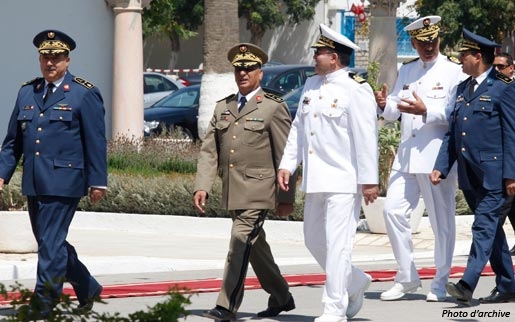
[{"x": 89, "y": 23}]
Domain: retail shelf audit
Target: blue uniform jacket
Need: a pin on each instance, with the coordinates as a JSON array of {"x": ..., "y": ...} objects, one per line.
[
  {"x": 481, "y": 136},
  {"x": 63, "y": 141}
]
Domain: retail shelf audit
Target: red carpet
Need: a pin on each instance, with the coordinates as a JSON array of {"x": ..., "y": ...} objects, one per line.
[{"x": 213, "y": 284}]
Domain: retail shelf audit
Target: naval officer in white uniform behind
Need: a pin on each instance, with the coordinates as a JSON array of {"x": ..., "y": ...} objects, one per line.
[{"x": 420, "y": 97}]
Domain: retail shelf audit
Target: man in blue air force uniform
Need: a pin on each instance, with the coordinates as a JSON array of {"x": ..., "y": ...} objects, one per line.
[
  {"x": 481, "y": 139},
  {"x": 58, "y": 126}
]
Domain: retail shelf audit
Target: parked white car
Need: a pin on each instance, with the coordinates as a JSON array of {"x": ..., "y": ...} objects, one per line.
[{"x": 157, "y": 86}]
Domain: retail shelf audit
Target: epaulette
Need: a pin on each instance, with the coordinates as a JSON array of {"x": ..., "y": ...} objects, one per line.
[
  {"x": 357, "y": 78},
  {"x": 454, "y": 60},
  {"x": 226, "y": 98},
  {"x": 274, "y": 97},
  {"x": 83, "y": 82},
  {"x": 410, "y": 60},
  {"x": 32, "y": 81},
  {"x": 504, "y": 78}
]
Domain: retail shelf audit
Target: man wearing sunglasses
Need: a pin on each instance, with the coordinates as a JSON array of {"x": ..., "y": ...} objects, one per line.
[
  {"x": 244, "y": 145},
  {"x": 503, "y": 63}
]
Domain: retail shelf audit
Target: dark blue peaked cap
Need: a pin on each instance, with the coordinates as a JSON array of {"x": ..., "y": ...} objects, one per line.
[
  {"x": 53, "y": 42},
  {"x": 476, "y": 42}
]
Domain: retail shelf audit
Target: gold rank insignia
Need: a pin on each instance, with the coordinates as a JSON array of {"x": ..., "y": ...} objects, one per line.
[{"x": 83, "y": 82}]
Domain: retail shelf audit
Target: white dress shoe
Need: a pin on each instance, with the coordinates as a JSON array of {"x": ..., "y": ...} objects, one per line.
[
  {"x": 330, "y": 318},
  {"x": 356, "y": 300},
  {"x": 435, "y": 297},
  {"x": 399, "y": 289}
]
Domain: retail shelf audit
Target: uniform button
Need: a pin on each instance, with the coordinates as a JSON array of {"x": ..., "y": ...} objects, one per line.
[
  {"x": 482, "y": 108},
  {"x": 37, "y": 141},
  {"x": 232, "y": 151},
  {"x": 310, "y": 151},
  {"x": 312, "y": 133},
  {"x": 315, "y": 115},
  {"x": 40, "y": 129},
  {"x": 234, "y": 137},
  {"x": 260, "y": 176},
  {"x": 414, "y": 117},
  {"x": 60, "y": 117},
  {"x": 37, "y": 153},
  {"x": 495, "y": 158},
  {"x": 231, "y": 165},
  {"x": 235, "y": 123},
  {"x": 69, "y": 165},
  {"x": 320, "y": 97},
  {"x": 465, "y": 118},
  {"x": 413, "y": 135},
  {"x": 468, "y": 104},
  {"x": 41, "y": 114},
  {"x": 463, "y": 133},
  {"x": 463, "y": 149}
]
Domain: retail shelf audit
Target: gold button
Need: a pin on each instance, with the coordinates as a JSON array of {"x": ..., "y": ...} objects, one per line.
[
  {"x": 37, "y": 153},
  {"x": 41, "y": 114},
  {"x": 261, "y": 176},
  {"x": 465, "y": 118},
  {"x": 40, "y": 129},
  {"x": 310, "y": 151},
  {"x": 231, "y": 165},
  {"x": 312, "y": 133},
  {"x": 234, "y": 137},
  {"x": 37, "y": 141},
  {"x": 463, "y": 149},
  {"x": 482, "y": 108},
  {"x": 235, "y": 123},
  {"x": 463, "y": 133},
  {"x": 60, "y": 117},
  {"x": 315, "y": 115},
  {"x": 495, "y": 158},
  {"x": 468, "y": 104},
  {"x": 232, "y": 151},
  {"x": 69, "y": 165}
]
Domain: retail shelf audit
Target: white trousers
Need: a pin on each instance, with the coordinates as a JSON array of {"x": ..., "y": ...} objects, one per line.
[
  {"x": 403, "y": 195},
  {"x": 330, "y": 222}
]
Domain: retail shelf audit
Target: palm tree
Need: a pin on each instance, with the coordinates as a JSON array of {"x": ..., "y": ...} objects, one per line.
[{"x": 221, "y": 32}]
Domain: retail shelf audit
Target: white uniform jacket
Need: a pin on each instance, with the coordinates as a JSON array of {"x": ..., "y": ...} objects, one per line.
[
  {"x": 334, "y": 134},
  {"x": 421, "y": 136}
]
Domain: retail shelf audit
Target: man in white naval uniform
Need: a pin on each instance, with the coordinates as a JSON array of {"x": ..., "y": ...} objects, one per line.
[
  {"x": 422, "y": 91},
  {"x": 334, "y": 135}
]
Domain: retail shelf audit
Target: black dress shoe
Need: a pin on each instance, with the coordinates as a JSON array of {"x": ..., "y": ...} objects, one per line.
[
  {"x": 512, "y": 251},
  {"x": 498, "y": 297},
  {"x": 272, "y": 311},
  {"x": 219, "y": 313},
  {"x": 462, "y": 293},
  {"x": 87, "y": 305}
]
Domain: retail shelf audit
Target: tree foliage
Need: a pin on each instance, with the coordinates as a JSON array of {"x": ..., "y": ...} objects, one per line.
[
  {"x": 489, "y": 18},
  {"x": 175, "y": 19},
  {"x": 262, "y": 15}
]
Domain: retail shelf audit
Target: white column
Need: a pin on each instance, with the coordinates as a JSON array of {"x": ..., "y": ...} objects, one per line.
[{"x": 127, "y": 111}]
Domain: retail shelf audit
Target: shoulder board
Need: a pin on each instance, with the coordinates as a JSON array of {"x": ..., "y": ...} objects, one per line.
[
  {"x": 274, "y": 97},
  {"x": 226, "y": 98},
  {"x": 410, "y": 60},
  {"x": 454, "y": 60},
  {"x": 83, "y": 82},
  {"x": 504, "y": 78},
  {"x": 32, "y": 81},
  {"x": 357, "y": 78}
]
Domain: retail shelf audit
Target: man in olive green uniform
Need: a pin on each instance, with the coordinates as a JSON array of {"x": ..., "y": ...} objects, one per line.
[{"x": 244, "y": 145}]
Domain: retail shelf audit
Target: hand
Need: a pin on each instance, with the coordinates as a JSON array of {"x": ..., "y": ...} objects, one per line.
[
  {"x": 283, "y": 178},
  {"x": 435, "y": 177},
  {"x": 370, "y": 192},
  {"x": 1, "y": 184},
  {"x": 96, "y": 194},
  {"x": 416, "y": 107},
  {"x": 199, "y": 200},
  {"x": 283, "y": 209},
  {"x": 510, "y": 186},
  {"x": 381, "y": 96}
]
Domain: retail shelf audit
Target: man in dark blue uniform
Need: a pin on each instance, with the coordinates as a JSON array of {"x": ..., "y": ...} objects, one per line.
[
  {"x": 481, "y": 139},
  {"x": 58, "y": 126}
]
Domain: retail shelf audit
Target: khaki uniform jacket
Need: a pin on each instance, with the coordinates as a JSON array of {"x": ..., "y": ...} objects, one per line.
[{"x": 244, "y": 149}]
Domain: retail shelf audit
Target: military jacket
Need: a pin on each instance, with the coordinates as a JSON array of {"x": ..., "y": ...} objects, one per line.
[
  {"x": 244, "y": 149},
  {"x": 62, "y": 141},
  {"x": 481, "y": 137}
]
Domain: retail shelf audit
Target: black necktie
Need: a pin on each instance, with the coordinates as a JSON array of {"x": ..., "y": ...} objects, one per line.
[
  {"x": 473, "y": 83},
  {"x": 49, "y": 91},
  {"x": 243, "y": 101}
]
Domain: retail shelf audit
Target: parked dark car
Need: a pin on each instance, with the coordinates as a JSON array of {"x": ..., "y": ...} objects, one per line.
[
  {"x": 285, "y": 78},
  {"x": 157, "y": 86},
  {"x": 179, "y": 109}
]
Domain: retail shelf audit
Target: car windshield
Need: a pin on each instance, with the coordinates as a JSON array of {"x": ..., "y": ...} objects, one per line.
[
  {"x": 293, "y": 97},
  {"x": 185, "y": 97}
]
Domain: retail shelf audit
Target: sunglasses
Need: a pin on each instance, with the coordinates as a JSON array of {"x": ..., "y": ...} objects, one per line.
[
  {"x": 319, "y": 52},
  {"x": 500, "y": 66}
]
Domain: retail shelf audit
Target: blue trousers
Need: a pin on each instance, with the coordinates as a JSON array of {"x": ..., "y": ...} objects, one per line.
[{"x": 50, "y": 218}]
